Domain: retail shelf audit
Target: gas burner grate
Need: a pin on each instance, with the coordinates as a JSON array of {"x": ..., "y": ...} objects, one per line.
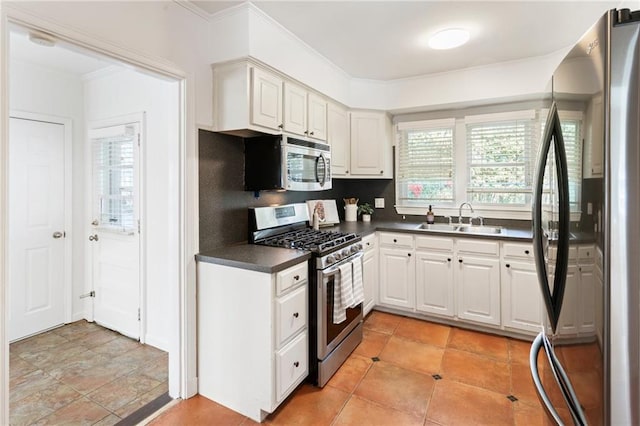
[{"x": 309, "y": 239}]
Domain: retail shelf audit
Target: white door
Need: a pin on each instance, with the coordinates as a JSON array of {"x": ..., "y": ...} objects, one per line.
[
  {"x": 115, "y": 238},
  {"x": 397, "y": 279},
  {"x": 478, "y": 281},
  {"x": 36, "y": 226},
  {"x": 434, "y": 283},
  {"x": 521, "y": 298}
]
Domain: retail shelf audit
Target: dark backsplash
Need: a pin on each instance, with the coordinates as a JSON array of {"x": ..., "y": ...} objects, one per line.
[{"x": 224, "y": 202}]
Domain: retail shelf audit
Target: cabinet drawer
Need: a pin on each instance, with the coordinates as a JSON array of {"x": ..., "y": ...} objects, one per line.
[
  {"x": 291, "y": 314},
  {"x": 478, "y": 246},
  {"x": 523, "y": 251},
  {"x": 369, "y": 242},
  {"x": 291, "y": 366},
  {"x": 435, "y": 243},
  {"x": 573, "y": 253},
  {"x": 291, "y": 277},
  {"x": 397, "y": 240},
  {"x": 587, "y": 253}
]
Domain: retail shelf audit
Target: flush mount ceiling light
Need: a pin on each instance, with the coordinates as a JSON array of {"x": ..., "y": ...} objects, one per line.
[
  {"x": 42, "y": 39},
  {"x": 449, "y": 38}
]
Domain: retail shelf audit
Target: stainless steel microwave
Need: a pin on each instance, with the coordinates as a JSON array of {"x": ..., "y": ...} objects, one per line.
[{"x": 282, "y": 162}]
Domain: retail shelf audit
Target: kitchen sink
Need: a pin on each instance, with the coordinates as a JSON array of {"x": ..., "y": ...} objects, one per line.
[
  {"x": 441, "y": 227},
  {"x": 471, "y": 229}
]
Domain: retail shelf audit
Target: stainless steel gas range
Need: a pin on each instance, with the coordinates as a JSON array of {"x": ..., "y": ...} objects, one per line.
[{"x": 331, "y": 339}]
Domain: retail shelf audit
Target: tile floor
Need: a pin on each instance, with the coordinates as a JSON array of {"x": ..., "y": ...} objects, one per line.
[
  {"x": 478, "y": 371},
  {"x": 82, "y": 374}
]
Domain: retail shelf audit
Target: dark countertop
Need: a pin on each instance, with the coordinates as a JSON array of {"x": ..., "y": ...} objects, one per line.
[
  {"x": 274, "y": 259},
  {"x": 366, "y": 228},
  {"x": 254, "y": 257}
]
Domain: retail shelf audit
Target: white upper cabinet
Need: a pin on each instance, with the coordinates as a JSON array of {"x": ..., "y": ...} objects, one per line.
[
  {"x": 317, "y": 117},
  {"x": 295, "y": 109},
  {"x": 338, "y": 138},
  {"x": 370, "y": 145},
  {"x": 266, "y": 99}
]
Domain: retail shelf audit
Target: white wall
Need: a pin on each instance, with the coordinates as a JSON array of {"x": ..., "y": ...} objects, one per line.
[
  {"x": 43, "y": 90},
  {"x": 123, "y": 92}
]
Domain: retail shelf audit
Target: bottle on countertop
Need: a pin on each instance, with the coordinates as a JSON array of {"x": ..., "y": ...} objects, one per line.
[{"x": 431, "y": 218}]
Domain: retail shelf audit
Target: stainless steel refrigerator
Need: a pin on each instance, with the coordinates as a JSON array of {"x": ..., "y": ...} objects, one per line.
[{"x": 586, "y": 363}]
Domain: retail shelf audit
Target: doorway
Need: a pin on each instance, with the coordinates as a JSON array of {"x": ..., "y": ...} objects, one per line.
[{"x": 103, "y": 93}]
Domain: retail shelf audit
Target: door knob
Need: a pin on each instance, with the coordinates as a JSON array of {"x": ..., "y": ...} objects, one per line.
[
  {"x": 58, "y": 234},
  {"x": 93, "y": 237}
]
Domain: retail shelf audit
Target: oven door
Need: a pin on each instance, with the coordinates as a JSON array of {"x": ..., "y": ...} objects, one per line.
[
  {"x": 329, "y": 334},
  {"x": 307, "y": 165}
]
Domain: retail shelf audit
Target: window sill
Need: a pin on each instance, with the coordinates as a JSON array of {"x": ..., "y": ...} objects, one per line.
[{"x": 502, "y": 213}]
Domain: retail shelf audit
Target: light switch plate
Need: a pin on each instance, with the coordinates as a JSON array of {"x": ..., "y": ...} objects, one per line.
[{"x": 379, "y": 203}]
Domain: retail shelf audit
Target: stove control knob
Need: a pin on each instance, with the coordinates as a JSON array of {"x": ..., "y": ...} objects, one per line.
[
  {"x": 331, "y": 259},
  {"x": 355, "y": 248},
  {"x": 346, "y": 252}
]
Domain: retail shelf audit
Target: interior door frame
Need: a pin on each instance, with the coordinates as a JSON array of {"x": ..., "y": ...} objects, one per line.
[
  {"x": 67, "y": 124},
  {"x": 182, "y": 359},
  {"x": 139, "y": 118}
]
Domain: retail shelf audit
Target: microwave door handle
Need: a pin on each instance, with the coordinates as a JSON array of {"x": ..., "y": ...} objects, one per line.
[{"x": 324, "y": 165}]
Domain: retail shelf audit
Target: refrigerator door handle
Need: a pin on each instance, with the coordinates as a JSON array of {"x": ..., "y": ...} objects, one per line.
[
  {"x": 569, "y": 395},
  {"x": 552, "y": 300}
]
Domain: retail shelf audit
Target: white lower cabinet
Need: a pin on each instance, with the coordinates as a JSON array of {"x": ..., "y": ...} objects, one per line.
[
  {"x": 397, "y": 277},
  {"x": 522, "y": 304},
  {"x": 252, "y": 336},
  {"x": 478, "y": 285},
  {"x": 370, "y": 267},
  {"x": 435, "y": 289}
]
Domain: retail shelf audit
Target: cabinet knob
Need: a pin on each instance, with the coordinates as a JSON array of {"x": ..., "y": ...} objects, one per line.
[
  {"x": 296, "y": 277},
  {"x": 280, "y": 126},
  {"x": 526, "y": 252},
  {"x": 395, "y": 241},
  {"x": 311, "y": 133},
  {"x": 368, "y": 244},
  {"x": 296, "y": 315},
  {"x": 296, "y": 364},
  {"x": 306, "y": 132},
  {"x": 587, "y": 253},
  {"x": 409, "y": 254},
  {"x": 460, "y": 260},
  {"x": 381, "y": 171},
  {"x": 347, "y": 171},
  {"x": 448, "y": 259},
  {"x": 507, "y": 265}
]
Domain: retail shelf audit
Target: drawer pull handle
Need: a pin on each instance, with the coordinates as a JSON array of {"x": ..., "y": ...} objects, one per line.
[
  {"x": 296, "y": 315},
  {"x": 409, "y": 254},
  {"x": 526, "y": 252},
  {"x": 296, "y": 277},
  {"x": 296, "y": 364},
  {"x": 448, "y": 259},
  {"x": 507, "y": 265},
  {"x": 395, "y": 241},
  {"x": 460, "y": 260}
]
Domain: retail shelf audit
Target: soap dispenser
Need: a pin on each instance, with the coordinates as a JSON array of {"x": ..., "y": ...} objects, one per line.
[{"x": 431, "y": 218}]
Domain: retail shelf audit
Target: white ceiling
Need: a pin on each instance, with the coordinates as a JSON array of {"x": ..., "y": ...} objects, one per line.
[
  {"x": 61, "y": 57},
  {"x": 381, "y": 39}
]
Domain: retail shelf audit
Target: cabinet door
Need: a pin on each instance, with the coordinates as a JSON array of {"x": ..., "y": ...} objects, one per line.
[
  {"x": 594, "y": 141},
  {"x": 478, "y": 282},
  {"x": 266, "y": 99},
  {"x": 317, "y": 125},
  {"x": 587, "y": 299},
  {"x": 568, "y": 321},
  {"x": 338, "y": 138},
  {"x": 521, "y": 296},
  {"x": 367, "y": 144},
  {"x": 369, "y": 279},
  {"x": 434, "y": 283},
  {"x": 295, "y": 109},
  {"x": 397, "y": 272}
]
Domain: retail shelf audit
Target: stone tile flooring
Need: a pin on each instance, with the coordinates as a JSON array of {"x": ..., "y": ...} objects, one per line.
[
  {"x": 423, "y": 374},
  {"x": 82, "y": 374}
]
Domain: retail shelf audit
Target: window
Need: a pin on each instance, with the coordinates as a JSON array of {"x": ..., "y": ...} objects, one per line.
[
  {"x": 501, "y": 158},
  {"x": 425, "y": 172}
]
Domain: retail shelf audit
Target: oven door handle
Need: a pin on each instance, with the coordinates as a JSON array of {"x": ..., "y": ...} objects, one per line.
[{"x": 334, "y": 268}]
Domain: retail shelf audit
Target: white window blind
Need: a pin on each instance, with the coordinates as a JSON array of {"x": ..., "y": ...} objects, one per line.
[
  {"x": 501, "y": 158},
  {"x": 113, "y": 166},
  {"x": 425, "y": 172}
]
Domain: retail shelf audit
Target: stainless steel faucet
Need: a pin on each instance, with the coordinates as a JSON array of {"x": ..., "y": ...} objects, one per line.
[{"x": 460, "y": 212}]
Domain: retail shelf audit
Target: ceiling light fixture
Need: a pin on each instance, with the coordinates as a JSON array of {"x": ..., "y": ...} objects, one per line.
[
  {"x": 449, "y": 38},
  {"x": 42, "y": 39}
]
